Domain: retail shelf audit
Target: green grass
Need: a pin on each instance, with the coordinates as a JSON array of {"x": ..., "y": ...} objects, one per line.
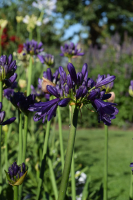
[{"x": 120, "y": 153}]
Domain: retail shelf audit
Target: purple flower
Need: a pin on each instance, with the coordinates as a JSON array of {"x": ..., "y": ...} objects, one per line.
[
  {"x": 7, "y": 68},
  {"x": 15, "y": 172},
  {"x": 131, "y": 165},
  {"x": 71, "y": 50},
  {"x": 102, "y": 80},
  {"x": 131, "y": 88},
  {"x": 48, "y": 59},
  {"x": 32, "y": 47},
  {"x": 21, "y": 102},
  {"x": 2, "y": 116},
  {"x": 108, "y": 87},
  {"x": 106, "y": 110},
  {"x": 9, "y": 91},
  {"x": 76, "y": 89}
]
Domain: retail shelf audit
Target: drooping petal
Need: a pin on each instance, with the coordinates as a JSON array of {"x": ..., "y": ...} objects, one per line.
[{"x": 9, "y": 121}]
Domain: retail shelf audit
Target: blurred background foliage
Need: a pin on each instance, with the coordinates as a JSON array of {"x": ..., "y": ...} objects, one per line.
[{"x": 103, "y": 30}]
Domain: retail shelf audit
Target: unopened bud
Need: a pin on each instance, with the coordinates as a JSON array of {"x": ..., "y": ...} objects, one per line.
[
  {"x": 46, "y": 82},
  {"x": 112, "y": 98}
]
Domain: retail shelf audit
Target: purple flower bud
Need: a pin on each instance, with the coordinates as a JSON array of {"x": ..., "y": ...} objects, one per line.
[
  {"x": 64, "y": 102},
  {"x": 10, "y": 172},
  {"x": 69, "y": 81},
  {"x": 21, "y": 174},
  {"x": 72, "y": 72},
  {"x": 66, "y": 89},
  {"x": 84, "y": 69}
]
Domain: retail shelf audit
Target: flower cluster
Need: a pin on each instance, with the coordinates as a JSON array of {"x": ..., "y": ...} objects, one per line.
[
  {"x": 20, "y": 101},
  {"x": 77, "y": 89},
  {"x": 71, "y": 50},
  {"x": 7, "y": 69},
  {"x": 48, "y": 59},
  {"x": 2, "y": 116},
  {"x": 32, "y": 47},
  {"x": 16, "y": 174}
]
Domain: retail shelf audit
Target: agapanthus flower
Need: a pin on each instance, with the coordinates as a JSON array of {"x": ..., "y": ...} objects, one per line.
[
  {"x": 71, "y": 50},
  {"x": 7, "y": 68},
  {"x": 9, "y": 91},
  {"x": 16, "y": 174},
  {"x": 131, "y": 88},
  {"x": 2, "y": 116},
  {"x": 48, "y": 59},
  {"x": 107, "y": 87},
  {"x": 32, "y": 47},
  {"x": 77, "y": 89},
  {"x": 21, "y": 102}
]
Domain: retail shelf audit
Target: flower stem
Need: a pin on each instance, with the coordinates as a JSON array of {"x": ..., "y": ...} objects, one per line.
[
  {"x": 73, "y": 179},
  {"x": 29, "y": 76},
  {"x": 52, "y": 176},
  {"x": 72, "y": 167},
  {"x": 6, "y": 152},
  {"x": 1, "y": 97},
  {"x": 20, "y": 136},
  {"x": 20, "y": 148},
  {"x": 30, "y": 35},
  {"x": 131, "y": 188},
  {"x": 43, "y": 160},
  {"x": 25, "y": 137},
  {"x": 38, "y": 33},
  {"x": 15, "y": 192},
  {"x": 60, "y": 137},
  {"x": 106, "y": 165},
  {"x": 69, "y": 153}
]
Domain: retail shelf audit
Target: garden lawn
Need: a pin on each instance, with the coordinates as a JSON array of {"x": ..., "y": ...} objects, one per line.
[{"x": 90, "y": 143}]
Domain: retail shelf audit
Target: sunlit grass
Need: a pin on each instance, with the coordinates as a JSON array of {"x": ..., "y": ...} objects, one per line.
[{"x": 91, "y": 144}]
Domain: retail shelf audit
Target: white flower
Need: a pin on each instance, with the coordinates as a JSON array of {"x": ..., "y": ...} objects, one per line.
[
  {"x": 45, "y": 20},
  {"x": 38, "y": 23},
  {"x": 26, "y": 19},
  {"x": 46, "y": 5}
]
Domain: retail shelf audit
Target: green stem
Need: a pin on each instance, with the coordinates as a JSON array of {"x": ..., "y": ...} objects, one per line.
[
  {"x": 20, "y": 137},
  {"x": 30, "y": 35},
  {"x": 73, "y": 179},
  {"x": 43, "y": 159},
  {"x": 38, "y": 33},
  {"x": 29, "y": 76},
  {"x": 72, "y": 168},
  {"x": 25, "y": 137},
  {"x": 1, "y": 97},
  {"x": 60, "y": 137},
  {"x": 69, "y": 153},
  {"x": 18, "y": 29},
  {"x": 15, "y": 192},
  {"x": 52, "y": 176},
  {"x": 6, "y": 152},
  {"x": 131, "y": 187},
  {"x": 1, "y": 31},
  {"x": 106, "y": 165},
  {"x": 20, "y": 148},
  {"x": 6, "y": 146}
]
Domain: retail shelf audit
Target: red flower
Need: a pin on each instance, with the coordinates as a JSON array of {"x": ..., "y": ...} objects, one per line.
[{"x": 20, "y": 48}]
